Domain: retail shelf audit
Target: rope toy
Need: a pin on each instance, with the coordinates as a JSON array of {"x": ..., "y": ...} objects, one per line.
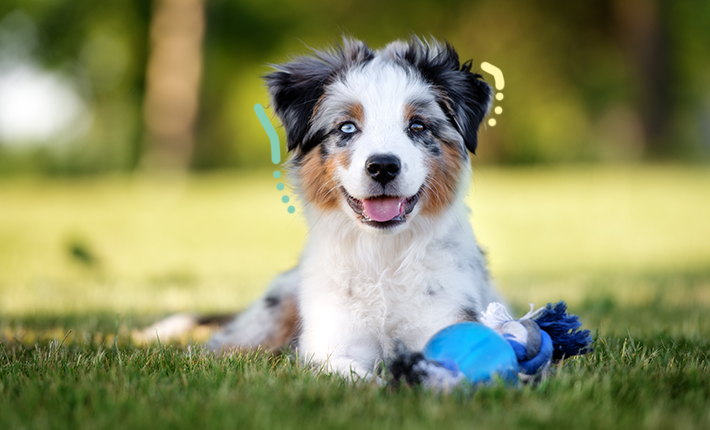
[{"x": 499, "y": 347}]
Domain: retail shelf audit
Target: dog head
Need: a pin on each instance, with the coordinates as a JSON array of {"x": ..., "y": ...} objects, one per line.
[{"x": 382, "y": 136}]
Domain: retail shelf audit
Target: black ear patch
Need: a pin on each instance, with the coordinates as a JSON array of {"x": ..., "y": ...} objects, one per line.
[
  {"x": 465, "y": 97},
  {"x": 296, "y": 88}
]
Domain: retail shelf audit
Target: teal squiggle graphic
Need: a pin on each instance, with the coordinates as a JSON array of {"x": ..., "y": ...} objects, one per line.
[
  {"x": 271, "y": 132},
  {"x": 275, "y": 149}
]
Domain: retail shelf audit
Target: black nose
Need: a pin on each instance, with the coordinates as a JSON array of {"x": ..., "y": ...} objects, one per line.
[{"x": 383, "y": 167}]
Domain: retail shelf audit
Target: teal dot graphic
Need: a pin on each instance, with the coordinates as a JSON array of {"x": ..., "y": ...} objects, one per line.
[{"x": 275, "y": 149}]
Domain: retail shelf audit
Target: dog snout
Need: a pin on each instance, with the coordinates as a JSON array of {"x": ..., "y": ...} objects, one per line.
[{"x": 383, "y": 167}]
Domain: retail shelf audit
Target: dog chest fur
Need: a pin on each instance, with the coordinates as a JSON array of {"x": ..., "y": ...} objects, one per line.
[{"x": 408, "y": 288}]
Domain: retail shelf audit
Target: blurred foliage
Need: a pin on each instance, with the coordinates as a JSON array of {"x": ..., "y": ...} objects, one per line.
[
  {"x": 612, "y": 80},
  {"x": 101, "y": 46}
]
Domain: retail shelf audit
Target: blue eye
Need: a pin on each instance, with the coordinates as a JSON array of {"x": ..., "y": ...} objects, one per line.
[{"x": 348, "y": 128}]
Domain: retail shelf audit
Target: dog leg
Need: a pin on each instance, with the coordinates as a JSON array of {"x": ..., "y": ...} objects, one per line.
[
  {"x": 333, "y": 341},
  {"x": 356, "y": 362},
  {"x": 271, "y": 322}
]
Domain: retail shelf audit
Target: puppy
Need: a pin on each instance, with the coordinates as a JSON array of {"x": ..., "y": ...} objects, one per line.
[{"x": 379, "y": 144}]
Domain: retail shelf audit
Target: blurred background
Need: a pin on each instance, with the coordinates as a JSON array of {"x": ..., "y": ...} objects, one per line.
[
  {"x": 592, "y": 187},
  {"x": 119, "y": 85}
]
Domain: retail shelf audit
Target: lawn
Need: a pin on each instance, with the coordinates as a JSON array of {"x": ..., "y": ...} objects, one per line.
[{"x": 85, "y": 262}]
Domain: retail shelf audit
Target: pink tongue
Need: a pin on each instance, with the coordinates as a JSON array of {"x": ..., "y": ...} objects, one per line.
[{"x": 382, "y": 209}]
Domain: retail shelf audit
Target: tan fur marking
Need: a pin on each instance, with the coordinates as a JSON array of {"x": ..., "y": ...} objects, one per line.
[
  {"x": 356, "y": 112},
  {"x": 288, "y": 325},
  {"x": 409, "y": 113},
  {"x": 318, "y": 179},
  {"x": 442, "y": 181},
  {"x": 343, "y": 159}
]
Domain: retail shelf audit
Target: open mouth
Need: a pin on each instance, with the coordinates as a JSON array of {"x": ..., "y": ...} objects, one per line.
[{"x": 382, "y": 211}]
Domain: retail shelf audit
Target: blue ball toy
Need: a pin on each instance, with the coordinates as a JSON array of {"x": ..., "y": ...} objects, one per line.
[
  {"x": 500, "y": 348},
  {"x": 475, "y": 350}
]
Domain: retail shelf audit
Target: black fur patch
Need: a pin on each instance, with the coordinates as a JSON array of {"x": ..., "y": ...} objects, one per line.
[
  {"x": 466, "y": 96},
  {"x": 272, "y": 301},
  {"x": 403, "y": 366},
  {"x": 427, "y": 141},
  {"x": 342, "y": 139},
  {"x": 297, "y": 86},
  {"x": 469, "y": 314}
]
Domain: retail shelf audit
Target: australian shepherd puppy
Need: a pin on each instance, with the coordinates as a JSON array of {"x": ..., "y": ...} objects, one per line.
[{"x": 380, "y": 144}]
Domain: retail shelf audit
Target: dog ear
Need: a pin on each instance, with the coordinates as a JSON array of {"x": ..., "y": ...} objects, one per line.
[
  {"x": 465, "y": 97},
  {"x": 296, "y": 87}
]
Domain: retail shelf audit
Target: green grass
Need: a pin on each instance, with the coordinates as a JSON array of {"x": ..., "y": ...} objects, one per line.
[
  {"x": 84, "y": 262},
  {"x": 624, "y": 384}
]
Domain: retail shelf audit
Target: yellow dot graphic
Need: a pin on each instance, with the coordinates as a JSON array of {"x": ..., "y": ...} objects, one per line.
[
  {"x": 499, "y": 96},
  {"x": 499, "y": 110},
  {"x": 492, "y": 122}
]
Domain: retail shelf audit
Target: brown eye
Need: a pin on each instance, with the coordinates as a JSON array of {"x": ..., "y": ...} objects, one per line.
[{"x": 417, "y": 127}]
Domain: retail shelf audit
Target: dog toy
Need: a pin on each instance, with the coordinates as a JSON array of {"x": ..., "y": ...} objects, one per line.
[{"x": 499, "y": 347}]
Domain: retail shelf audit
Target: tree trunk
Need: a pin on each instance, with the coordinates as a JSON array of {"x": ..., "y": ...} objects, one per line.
[
  {"x": 639, "y": 25},
  {"x": 173, "y": 83}
]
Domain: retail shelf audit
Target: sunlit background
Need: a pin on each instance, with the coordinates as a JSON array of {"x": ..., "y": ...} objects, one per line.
[
  {"x": 134, "y": 174},
  {"x": 89, "y": 87}
]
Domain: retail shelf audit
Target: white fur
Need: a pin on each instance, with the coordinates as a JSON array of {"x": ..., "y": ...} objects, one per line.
[
  {"x": 382, "y": 90},
  {"x": 359, "y": 288},
  {"x": 360, "y": 292}
]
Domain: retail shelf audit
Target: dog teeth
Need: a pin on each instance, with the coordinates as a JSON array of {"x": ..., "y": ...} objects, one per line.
[{"x": 365, "y": 218}]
